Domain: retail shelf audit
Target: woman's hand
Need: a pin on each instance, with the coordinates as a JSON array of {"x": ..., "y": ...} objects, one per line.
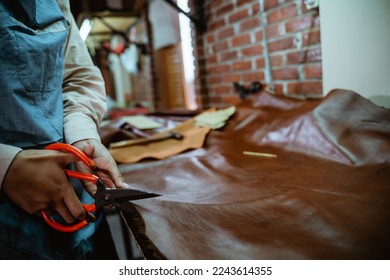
[
  {"x": 107, "y": 169},
  {"x": 36, "y": 181}
]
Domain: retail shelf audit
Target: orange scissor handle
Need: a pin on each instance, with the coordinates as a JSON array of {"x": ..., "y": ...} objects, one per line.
[
  {"x": 88, "y": 207},
  {"x": 68, "y": 228},
  {"x": 75, "y": 174},
  {"x": 82, "y": 176},
  {"x": 73, "y": 150}
]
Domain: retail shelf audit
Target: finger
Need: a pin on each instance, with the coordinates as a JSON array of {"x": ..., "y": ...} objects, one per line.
[
  {"x": 63, "y": 210},
  {"x": 89, "y": 150},
  {"x": 82, "y": 168},
  {"x": 120, "y": 182},
  {"x": 115, "y": 174},
  {"x": 116, "y": 179},
  {"x": 110, "y": 179},
  {"x": 74, "y": 205},
  {"x": 90, "y": 218},
  {"x": 110, "y": 166},
  {"x": 88, "y": 186}
]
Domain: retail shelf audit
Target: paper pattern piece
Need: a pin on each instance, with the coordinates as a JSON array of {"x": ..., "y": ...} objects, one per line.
[
  {"x": 215, "y": 119},
  {"x": 142, "y": 122}
]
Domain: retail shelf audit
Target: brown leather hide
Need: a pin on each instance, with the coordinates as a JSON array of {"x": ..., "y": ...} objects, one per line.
[{"x": 325, "y": 196}]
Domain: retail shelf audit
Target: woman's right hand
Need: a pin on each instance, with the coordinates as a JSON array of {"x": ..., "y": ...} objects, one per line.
[{"x": 36, "y": 181}]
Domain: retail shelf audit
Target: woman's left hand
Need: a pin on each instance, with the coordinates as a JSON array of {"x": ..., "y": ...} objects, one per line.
[{"x": 107, "y": 169}]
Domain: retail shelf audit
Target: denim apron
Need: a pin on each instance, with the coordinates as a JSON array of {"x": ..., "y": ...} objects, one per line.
[{"x": 32, "y": 39}]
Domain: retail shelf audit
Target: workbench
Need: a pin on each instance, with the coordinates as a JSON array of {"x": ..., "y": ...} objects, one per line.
[{"x": 314, "y": 185}]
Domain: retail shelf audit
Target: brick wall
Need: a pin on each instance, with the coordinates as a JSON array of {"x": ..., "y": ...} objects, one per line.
[{"x": 231, "y": 49}]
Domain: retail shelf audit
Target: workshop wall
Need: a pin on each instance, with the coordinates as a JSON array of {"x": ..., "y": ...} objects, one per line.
[{"x": 232, "y": 49}]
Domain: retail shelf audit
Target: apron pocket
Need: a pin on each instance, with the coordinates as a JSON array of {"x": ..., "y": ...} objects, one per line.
[
  {"x": 8, "y": 53},
  {"x": 40, "y": 61}
]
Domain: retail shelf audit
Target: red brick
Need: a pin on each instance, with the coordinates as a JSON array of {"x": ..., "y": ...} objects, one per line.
[
  {"x": 282, "y": 13},
  {"x": 220, "y": 46},
  {"x": 285, "y": 74},
  {"x": 214, "y": 79},
  {"x": 241, "y": 40},
  {"x": 253, "y": 76},
  {"x": 215, "y": 3},
  {"x": 305, "y": 88},
  {"x": 227, "y": 56},
  {"x": 231, "y": 99},
  {"x": 242, "y": 65},
  {"x": 222, "y": 89},
  {"x": 269, "y": 4},
  {"x": 278, "y": 88},
  {"x": 311, "y": 55},
  {"x": 237, "y": 16},
  {"x": 243, "y": 2},
  {"x": 216, "y": 24},
  {"x": 227, "y": 32},
  {"x": 212, "y": 99},
  {"x": 311, "y": 38},
  {"x": 225, "y": 9},
  {"x": 220, "y": 68},
  {"x": 250, "y": 24},
  {"x": 282, "y": 44},
  {"x": 230, "y": 78},
  {"x": 313, "y": 71},
  {"x": 276, "y": 60},
  {"x": 260, "y": 63},
  {"x": 256, "y": 9},
  {"x": 212, "y": 59},
  {"x": 252, "y": 51},
  {"x": 259, "y": 36},
  {"x": 297, "y": 24},
  {"x": 210, "y": 38},
  {"x": 273, "y": 31}
]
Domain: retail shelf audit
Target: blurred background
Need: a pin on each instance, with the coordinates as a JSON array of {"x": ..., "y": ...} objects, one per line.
[{"x": 159, "y": 55}]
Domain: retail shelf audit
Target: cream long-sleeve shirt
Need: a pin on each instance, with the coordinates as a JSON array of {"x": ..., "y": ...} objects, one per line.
[{"x": 83, "y": 94}]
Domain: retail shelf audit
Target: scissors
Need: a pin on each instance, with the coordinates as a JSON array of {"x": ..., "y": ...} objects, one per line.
[{"x": 103, "y": 195}]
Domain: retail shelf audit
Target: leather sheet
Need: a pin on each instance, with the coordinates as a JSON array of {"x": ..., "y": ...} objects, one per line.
[{"x": 325, "y": 196}]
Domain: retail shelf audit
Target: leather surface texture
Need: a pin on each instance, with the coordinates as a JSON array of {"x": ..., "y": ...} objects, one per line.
[{"x": 325, "y": 194}]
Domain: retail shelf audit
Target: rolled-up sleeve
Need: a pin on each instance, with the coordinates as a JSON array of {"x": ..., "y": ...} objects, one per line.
[{"x": 83, "y": 87}]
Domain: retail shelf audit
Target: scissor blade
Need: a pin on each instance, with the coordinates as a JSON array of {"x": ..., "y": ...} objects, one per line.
[
  {"x": 130, "y": 194},
  {"x": 111, "y": 196}
]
